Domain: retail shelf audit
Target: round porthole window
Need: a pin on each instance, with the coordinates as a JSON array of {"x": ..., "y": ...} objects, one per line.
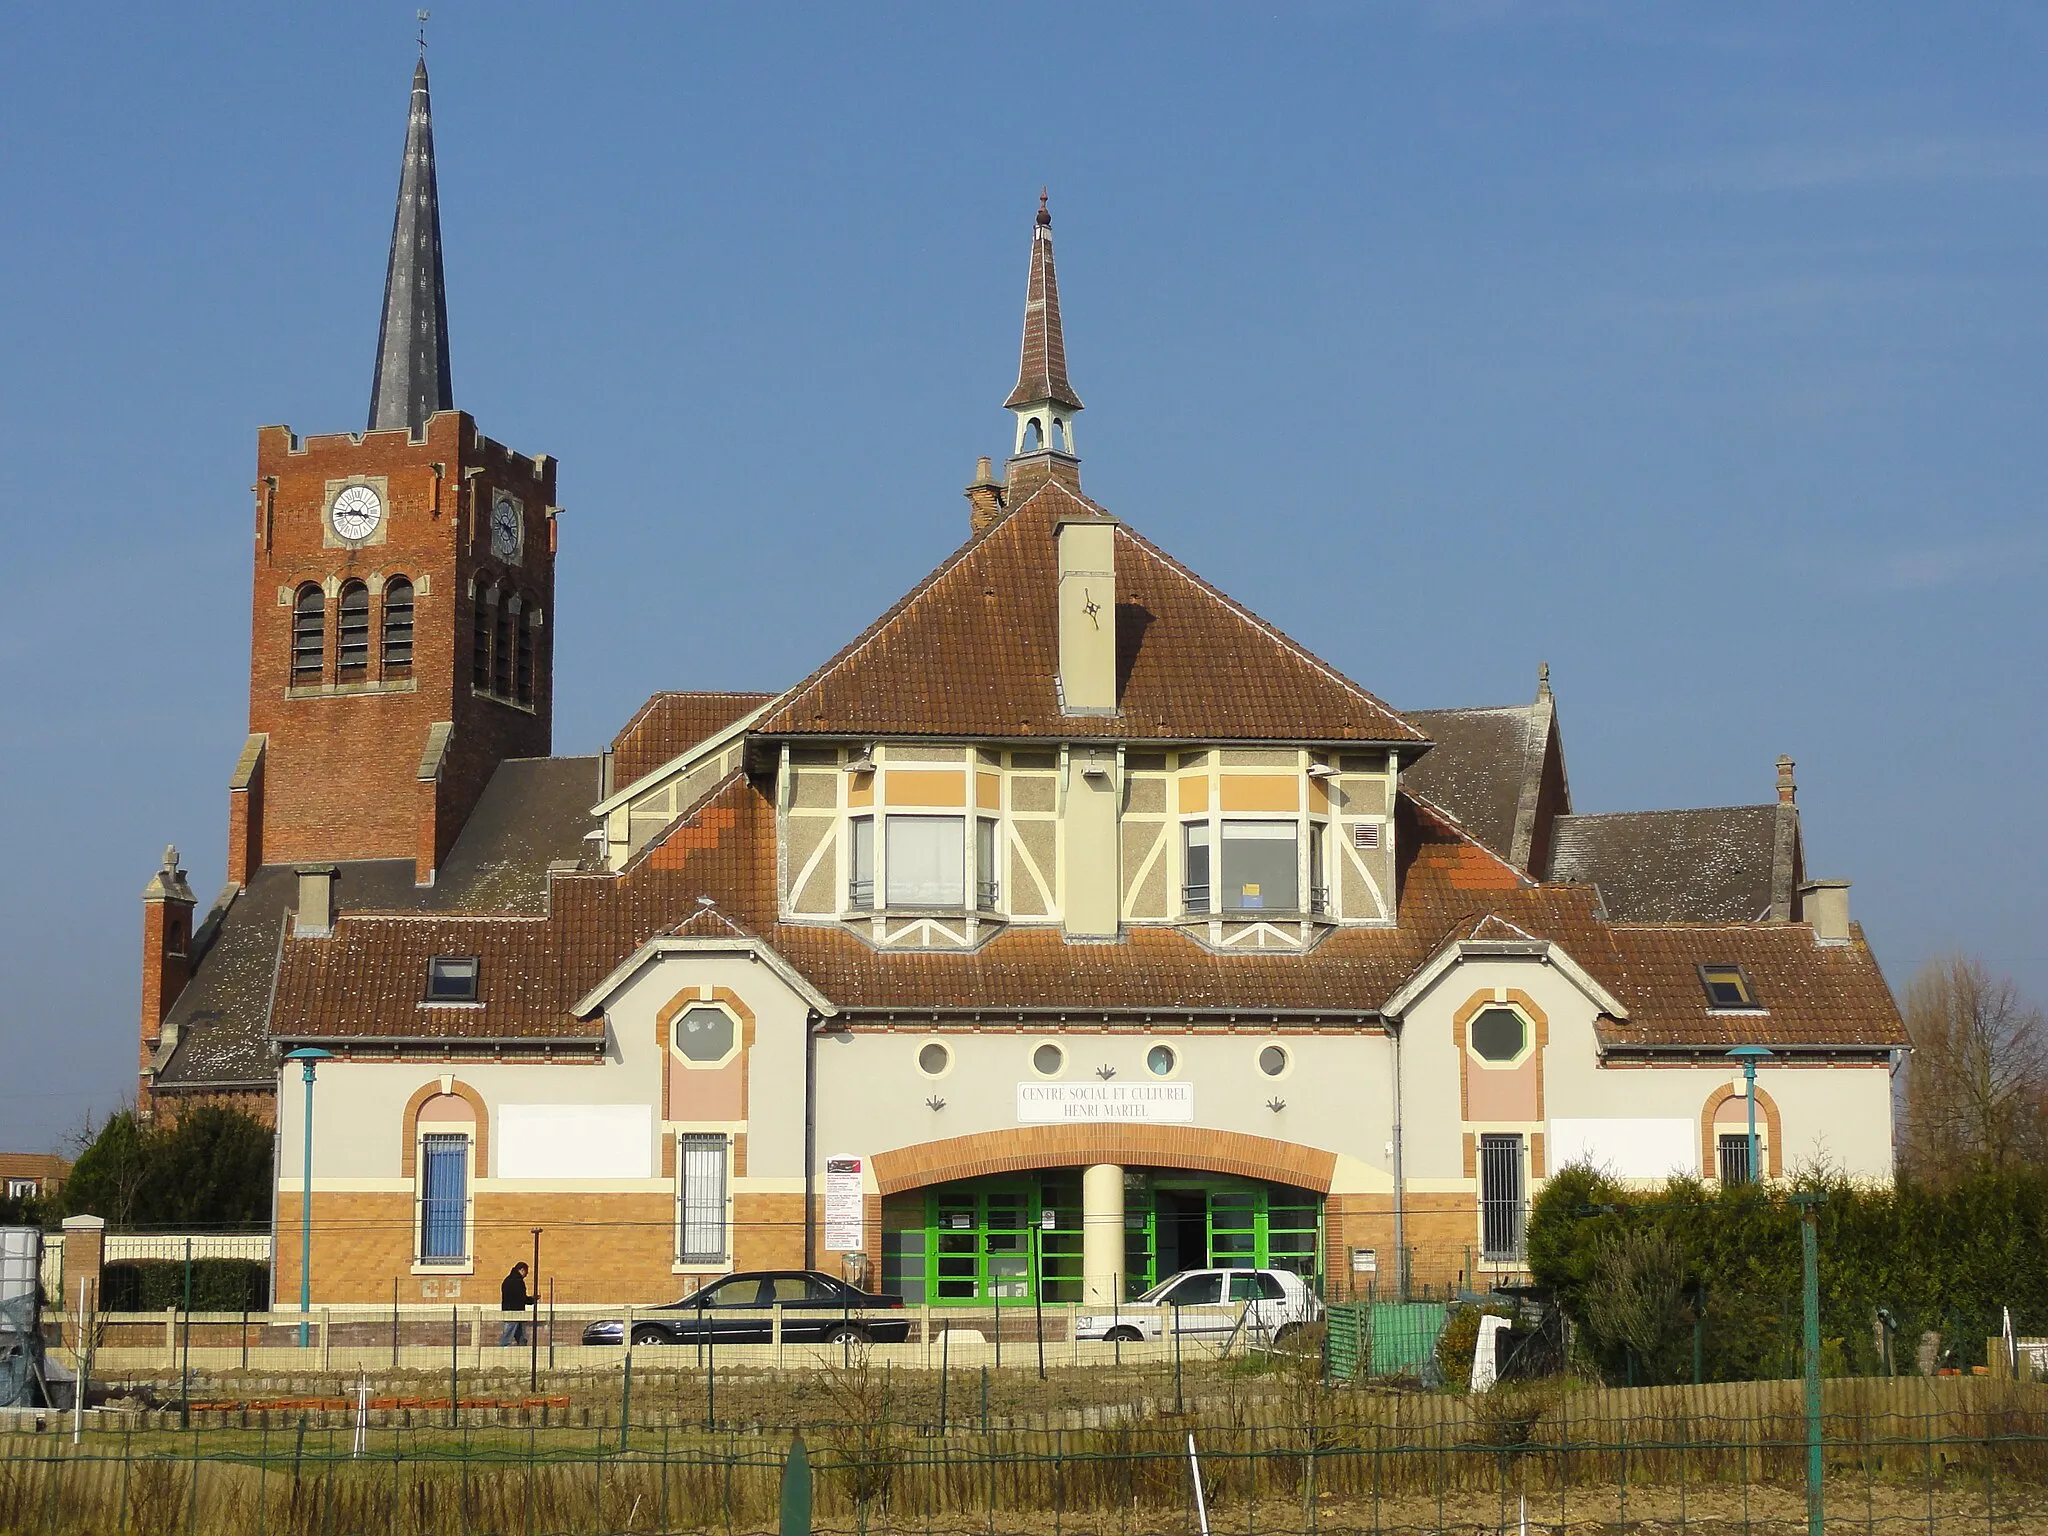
[
  {"x": 1047, "y": 1060},
  {"x": 1499, "y": 1034},
  {"x": 1160, "y": 1061},
  {"x": 704, "y": 1034},
  {"x": 1273, "y": 1060},
  {"x": 933, "y": 1058}
]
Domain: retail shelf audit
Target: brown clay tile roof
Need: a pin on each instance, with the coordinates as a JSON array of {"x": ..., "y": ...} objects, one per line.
[
  {"x": 366, "y": 980},
  {"x": 1042, "y": 367},
  {"x": 1809, "y": 994},
  {"x": 972, "y": 651},
  {"x": 669, "y": 724}
]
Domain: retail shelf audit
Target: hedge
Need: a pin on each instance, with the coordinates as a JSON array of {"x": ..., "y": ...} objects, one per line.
[
  {"x": 1944, "y": 1261},
  {"x": 218, "y": 1285}
]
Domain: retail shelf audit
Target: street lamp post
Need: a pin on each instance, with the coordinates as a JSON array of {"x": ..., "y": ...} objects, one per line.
[
  {"x": 308, "y": 1057},
  {"x": 1749, "y": 1056}
]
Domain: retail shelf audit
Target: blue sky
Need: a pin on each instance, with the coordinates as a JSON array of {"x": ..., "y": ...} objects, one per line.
[{"x": 1699, "y": 353}]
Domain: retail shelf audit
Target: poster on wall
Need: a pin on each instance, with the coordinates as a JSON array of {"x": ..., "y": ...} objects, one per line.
[{"x": 845, "y": 1228}]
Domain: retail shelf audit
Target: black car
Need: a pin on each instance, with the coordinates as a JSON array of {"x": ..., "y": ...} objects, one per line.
[{"x": 739, "y": 1309}]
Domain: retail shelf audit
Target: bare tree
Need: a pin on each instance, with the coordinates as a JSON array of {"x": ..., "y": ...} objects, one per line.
[{"x": 1977, "y": 1081}]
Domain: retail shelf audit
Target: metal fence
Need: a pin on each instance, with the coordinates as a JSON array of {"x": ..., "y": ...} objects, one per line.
[{"x": 1286, "y": 1456}]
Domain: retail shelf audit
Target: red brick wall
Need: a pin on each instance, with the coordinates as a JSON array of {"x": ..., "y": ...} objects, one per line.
[
  {"x": 166, "y": 940},
  {"x": 340, "y": 772}
]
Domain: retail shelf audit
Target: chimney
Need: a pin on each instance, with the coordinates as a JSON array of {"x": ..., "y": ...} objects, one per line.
[
  {"x": 166, "y": 959},
  {"x": 1087, "y": 615},
  {"x": 984, "y": 497},
  {"x": 1788, "y": 790},
  {"x": 1826, "y": 906},
  {"x": 315, "y": 917}
]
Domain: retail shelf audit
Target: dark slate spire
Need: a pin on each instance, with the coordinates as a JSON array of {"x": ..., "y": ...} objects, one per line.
[
  {"x": 411, "y": 381},
  {"x": 1042, "y": 371}
]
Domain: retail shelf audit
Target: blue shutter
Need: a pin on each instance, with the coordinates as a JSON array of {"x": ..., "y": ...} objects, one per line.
[{"x": 444, "y": 1198}]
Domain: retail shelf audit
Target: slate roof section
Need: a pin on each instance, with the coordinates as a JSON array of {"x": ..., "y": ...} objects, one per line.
[
  {"x": 669, "y": 724},
  {"x": 1042, "y": 364},
  {"x": 412, "y": 379},
  {"x": 366, "y": 978},
  {"x": 1702, "y": 866},
  {"x": 973, "y": 649},
  {"x": 533, "y": 812},
  {"x": 1476, "y": 768}
]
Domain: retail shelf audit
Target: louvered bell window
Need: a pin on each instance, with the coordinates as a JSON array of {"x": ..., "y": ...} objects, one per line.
[{"x": 352, "y": 651}]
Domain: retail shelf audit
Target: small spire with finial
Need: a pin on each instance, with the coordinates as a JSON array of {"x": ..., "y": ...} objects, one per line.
[
  {"x": 1542, "y": 679},
  {"x": 423, "y": 16},
  {"x": 1044, "y": 217}
]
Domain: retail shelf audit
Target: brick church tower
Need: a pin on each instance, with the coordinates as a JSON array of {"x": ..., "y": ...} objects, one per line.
[
  {"x": 400, "y": 649},
  {"x": 404, "y": 586}
]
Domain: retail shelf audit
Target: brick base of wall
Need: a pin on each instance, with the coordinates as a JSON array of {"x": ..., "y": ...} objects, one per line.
[{"x": 593, "y": 1247}]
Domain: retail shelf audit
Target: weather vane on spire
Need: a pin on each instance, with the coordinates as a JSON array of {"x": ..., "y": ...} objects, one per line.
[{"x": 424, "y": 17}]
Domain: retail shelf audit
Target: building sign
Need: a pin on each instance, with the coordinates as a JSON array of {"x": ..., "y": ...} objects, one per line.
[
  {"x": 845, "y": 1210},
  {"x": 1061, "y": 1103}
]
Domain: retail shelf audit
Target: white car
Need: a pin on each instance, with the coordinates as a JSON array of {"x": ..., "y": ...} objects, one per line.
[{"x": 1266, "y": 1305}]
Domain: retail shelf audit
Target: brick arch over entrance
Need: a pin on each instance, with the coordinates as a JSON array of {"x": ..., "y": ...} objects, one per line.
[{"x": 1133, "y": 1146}]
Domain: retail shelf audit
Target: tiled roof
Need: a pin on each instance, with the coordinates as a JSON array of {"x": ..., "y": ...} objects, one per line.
[
  {"x": 533, "y": 811},
  {"x": 1703, "y": 866},
  {"x": 1042, "y": 366},
  {"x": 972, "y": 651},
  {"x": 669, "y": 724},
  {"x": 367, "y": 978},
  {"x": 1808, "y": 994}
]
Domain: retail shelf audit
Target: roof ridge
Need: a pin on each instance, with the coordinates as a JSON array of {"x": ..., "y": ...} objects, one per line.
[{"x": 1669, "y": 810}]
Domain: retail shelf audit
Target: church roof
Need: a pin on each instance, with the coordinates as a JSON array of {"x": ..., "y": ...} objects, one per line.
[
  {"x": 973, "y": 650},
  {"x": 1709, "y": 866},
  {"x": 1042, "y": 368},
  {"x": 412, "y": 379}
]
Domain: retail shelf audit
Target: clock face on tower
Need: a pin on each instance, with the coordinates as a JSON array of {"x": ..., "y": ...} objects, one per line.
[
  {"x": 355, "y": 512},
  {"x": 507, "y": 525}
]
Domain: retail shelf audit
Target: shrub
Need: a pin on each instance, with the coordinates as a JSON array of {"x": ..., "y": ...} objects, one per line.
[{"x": 218, "y": 1285}]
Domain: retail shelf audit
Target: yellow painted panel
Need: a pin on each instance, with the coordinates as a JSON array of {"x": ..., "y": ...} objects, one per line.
[
  {"x": 926, "y": 786},
  {"x": 860, "y": 789},
  {"x": 1318, "y": 795},
  {"x": 1194, "y": 794},
  {"x": 988, "y": 790},
  {"x": 1261, "y": 792}
]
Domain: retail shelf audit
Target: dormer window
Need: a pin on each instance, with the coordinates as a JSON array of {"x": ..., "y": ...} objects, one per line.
[
  {"x": 451, "y": 979},
  {"x": 1727, "y": 988}
]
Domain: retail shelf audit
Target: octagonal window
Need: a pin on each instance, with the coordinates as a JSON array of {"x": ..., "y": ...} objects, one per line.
[
  {"x": 1499, "y": 1034},
  {"x": 705, "y": 1034}
]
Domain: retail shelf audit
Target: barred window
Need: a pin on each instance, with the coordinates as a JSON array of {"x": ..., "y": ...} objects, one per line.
[
  {"x": 397, "y": 625},
  {"x": 309, "y": 634},
  {"x": 700, "y": 1199},
  {"x": 352, "y": 649},
  {"x": 444, "y": 1198}
]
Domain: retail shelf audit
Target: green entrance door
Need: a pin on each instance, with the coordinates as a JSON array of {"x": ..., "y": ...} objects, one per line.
[{"x": 991, "y": 1239}]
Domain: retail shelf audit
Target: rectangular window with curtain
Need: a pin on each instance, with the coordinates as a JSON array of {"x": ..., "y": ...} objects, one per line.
[
  {"x": 700, "y": 1199},
  {"x": 927, "y": 861},
  {"x": 444, "y": 1199},
  {"x": 1261, "y": 869}
]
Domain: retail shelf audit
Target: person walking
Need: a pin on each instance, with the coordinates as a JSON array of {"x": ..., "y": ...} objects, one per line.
[{"x": 512, "y": 1298}]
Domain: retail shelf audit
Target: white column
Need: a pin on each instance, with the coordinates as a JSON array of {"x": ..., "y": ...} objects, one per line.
[{"x": 1102, "y": 1234}]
